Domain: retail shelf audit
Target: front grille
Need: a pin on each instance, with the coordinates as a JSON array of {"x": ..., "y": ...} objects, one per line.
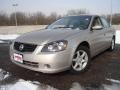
[
  {"x": 33, "y": 64},
  {"x": 25, "y": 47}
]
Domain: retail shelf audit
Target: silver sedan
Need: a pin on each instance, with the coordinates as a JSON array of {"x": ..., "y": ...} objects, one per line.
[{"x": 68, "y": 43}]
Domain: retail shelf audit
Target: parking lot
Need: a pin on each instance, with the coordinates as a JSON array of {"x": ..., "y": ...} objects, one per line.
[{"x": 103, "y": 67}]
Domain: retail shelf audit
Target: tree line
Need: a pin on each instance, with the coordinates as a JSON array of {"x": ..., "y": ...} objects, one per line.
[
  {"x": 40, "y": 18},
  {"x": 27, "y": 19}
]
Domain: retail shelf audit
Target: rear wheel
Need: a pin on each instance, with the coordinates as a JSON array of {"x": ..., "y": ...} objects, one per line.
[
  {"x": 112, "y": 47},
  {"x": 81, "y": 60}
]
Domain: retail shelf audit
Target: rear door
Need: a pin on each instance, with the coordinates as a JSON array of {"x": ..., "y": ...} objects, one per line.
[
  {"x": 108, "y": 32},
  {"x": 97, "y": 36}
]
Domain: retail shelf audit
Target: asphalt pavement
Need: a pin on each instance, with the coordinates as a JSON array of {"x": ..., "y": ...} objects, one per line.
[{"x": 104, "y": 66}]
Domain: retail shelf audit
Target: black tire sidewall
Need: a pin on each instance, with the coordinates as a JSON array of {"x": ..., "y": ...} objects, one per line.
[
  {"x": 86, "y": 49},
  {"x": 111, "y": 45}
]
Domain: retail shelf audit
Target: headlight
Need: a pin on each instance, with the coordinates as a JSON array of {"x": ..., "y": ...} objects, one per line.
[{"x": 55, "y": 46}]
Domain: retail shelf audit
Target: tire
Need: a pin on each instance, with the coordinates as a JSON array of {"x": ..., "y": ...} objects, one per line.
[
  {"x": 81, "y": 60},
  {"x": 112, "y": 46}
]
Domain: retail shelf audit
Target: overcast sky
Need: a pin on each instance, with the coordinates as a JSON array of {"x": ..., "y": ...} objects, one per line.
[{"x": 60, "y": 6}]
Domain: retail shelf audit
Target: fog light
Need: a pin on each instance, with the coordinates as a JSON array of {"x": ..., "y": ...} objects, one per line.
[{"x": 47, "y": 66}]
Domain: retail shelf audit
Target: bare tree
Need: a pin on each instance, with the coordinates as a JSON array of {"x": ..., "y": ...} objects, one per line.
[
  {"x": 40, "y": 18},
  {"x": 77, "y": 12},
  {"x": 115, "y": 18},
  {"x": 52, "y": 17},
  {"x": 21, "y": 18},
  {"x": 4, "y": 19}
]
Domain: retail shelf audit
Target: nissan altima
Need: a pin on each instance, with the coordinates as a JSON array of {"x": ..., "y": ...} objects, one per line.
[{"x": 67, "y": 44}]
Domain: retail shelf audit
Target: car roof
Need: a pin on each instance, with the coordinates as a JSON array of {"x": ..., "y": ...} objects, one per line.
[{"x": 87, "y": 15}]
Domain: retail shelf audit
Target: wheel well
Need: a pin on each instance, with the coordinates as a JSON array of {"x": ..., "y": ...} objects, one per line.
[
  {"x": 86, "y": 44},
  {"x": 114, "y": 36}
]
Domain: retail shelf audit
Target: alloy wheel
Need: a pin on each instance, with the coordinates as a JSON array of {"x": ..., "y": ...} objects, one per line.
[{"x": 80, "y": 60}]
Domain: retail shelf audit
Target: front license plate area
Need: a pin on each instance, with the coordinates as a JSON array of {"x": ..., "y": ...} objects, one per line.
[{"x": 18, "y": 57}]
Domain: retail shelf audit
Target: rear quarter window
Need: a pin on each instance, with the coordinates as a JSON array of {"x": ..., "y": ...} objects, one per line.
[{"x": 105, "y": 22}]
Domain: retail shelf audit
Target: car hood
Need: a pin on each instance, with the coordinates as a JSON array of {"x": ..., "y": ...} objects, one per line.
[{"x": 42, "y": 37}]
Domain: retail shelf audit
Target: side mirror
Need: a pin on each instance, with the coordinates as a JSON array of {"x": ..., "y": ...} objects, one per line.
[{"x": 97, "y": 27}]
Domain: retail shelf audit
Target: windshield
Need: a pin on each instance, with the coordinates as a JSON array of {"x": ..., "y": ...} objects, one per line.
[{"x": 73, "y": 22}]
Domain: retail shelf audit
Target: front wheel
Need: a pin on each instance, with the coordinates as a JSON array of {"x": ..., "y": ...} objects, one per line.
[{"x": 81, "y": 60}]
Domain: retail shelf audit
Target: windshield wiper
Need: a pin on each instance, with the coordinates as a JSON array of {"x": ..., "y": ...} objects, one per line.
[{"x": 62, "y": 27}]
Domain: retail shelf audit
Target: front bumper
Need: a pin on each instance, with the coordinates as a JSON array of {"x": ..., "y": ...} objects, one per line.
[{"x": 44, "y": 62}]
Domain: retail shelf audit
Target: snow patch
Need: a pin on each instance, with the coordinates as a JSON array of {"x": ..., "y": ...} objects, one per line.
[
  {"x": 2, "y": 42},
  {"x": 21, "y": 84},
  {"x": 77, "y": 86},
  {"x": 112, "y": 87},
  {"x": 3, "y": 75},
  {"x": 113, "y": 80},
  {"x": 26, "y": 85},
  {"x": 118, "y": 36},
  {"x": 8, "y": 37},
  {"x": 115, "y": 85}
]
